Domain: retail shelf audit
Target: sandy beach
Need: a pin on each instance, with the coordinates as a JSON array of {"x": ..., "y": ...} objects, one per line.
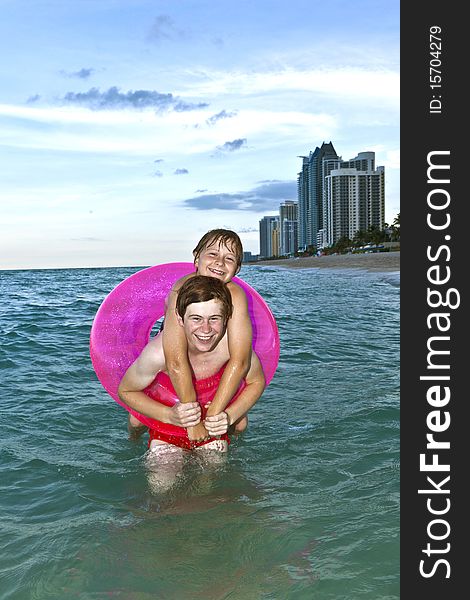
[{"x": 376, "y": 261}]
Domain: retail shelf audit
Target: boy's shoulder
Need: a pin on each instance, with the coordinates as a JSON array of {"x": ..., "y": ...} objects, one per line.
[
  {"x": 152, "y": 354},
  {"x": 179, "y": 282}
]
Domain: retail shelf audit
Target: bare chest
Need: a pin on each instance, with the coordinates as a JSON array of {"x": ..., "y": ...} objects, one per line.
[{"x": 209, "y": 363}]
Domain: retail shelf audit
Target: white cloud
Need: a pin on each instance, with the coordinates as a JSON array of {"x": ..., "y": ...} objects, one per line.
[
  {"x": 148, "y": 133},
  {"x": 355, "y": 83}
]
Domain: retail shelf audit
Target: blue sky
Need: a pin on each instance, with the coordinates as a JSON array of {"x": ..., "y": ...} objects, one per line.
[{"x": 130, "y": 128}]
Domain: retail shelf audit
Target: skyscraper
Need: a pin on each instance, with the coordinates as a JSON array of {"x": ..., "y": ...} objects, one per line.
[
  {"x": 288, "y": 216},
  {"x": 354, "y": 198},
  {"x": 269, "y": 236},
  {"x": 310, "y": 188}
]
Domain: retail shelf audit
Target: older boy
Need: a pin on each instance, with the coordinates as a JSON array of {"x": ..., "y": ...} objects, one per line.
[{"x": 203, "y": 309}]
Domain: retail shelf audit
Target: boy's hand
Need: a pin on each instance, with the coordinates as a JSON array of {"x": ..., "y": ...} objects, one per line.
[
  {"x": 185, "y": 414},
  {"x": 135, "y": 427},
  {"x": 217, "y": 424},
  {"x": 198, "y": 433}
]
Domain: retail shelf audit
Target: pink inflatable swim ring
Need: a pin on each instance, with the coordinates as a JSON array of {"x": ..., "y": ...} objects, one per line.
[{"x": 124, "y": 321}]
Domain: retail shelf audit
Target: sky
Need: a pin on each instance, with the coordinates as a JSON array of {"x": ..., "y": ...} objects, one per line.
[{"x": 129, "y": 128}]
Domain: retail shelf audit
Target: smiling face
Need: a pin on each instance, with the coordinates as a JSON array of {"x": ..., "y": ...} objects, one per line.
[
  {"x": 204, "y": 325},
  {"x": 217, "y": 260}
]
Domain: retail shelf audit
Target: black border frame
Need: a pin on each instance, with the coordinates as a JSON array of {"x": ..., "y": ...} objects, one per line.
[{"x": 422, "y": 132}]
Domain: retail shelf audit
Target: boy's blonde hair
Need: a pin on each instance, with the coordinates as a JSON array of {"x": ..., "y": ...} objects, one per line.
[{"x": 223, "y": 236}]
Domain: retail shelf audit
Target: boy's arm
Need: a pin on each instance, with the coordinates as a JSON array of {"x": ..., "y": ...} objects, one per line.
[
  {"x": 179, "y": 370},
  {"x": 175, "y": 348},
  {"x": 239, "y": 335},
  {"x": 255, "y": 385},
  {"x": 141, "y": 374}
]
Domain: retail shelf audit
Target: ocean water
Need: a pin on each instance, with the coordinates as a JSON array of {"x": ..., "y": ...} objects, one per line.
[{"x": 306, "y": 506}]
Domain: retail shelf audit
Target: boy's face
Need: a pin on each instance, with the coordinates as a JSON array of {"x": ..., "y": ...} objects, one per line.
[
  {"x": 217, "y": 260},
  {"x": 204, "y": 325}
]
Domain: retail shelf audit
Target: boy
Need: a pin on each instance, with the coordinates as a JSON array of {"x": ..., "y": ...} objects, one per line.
[
  {"x": 218, "y": 254},
  {"x": 203, "y": 308}
]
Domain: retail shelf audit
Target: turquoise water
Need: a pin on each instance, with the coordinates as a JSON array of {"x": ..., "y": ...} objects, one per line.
[{"x": 306, "y": 506}]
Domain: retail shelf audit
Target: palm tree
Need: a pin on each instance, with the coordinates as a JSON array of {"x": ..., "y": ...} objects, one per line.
[
  {"x": 360, "y": 238},
  {"x": 342, "y": 244},
  {"x": 375, "y": 234},
  {"x": 396, "y": 229}
]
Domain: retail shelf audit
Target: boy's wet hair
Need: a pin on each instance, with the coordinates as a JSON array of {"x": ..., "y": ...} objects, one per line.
[
  {"x": 202, "y": 288},
  {"x": 223, "y": 236}
]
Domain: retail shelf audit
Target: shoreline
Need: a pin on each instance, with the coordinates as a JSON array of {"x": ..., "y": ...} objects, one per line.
[{"x": 374, "y": 261}]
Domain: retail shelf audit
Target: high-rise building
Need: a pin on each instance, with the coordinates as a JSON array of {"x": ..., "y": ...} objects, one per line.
[
  {"x": 354, "y": 198},
  {"x": 288, "y": 219},
  {"x": 337, "y": 198},
  {"x": 249, "y": 257},
  {"x": 302, "y": 197},
  {"x": 269, "y": 236},
  {"x": 310, "y": 189}
]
